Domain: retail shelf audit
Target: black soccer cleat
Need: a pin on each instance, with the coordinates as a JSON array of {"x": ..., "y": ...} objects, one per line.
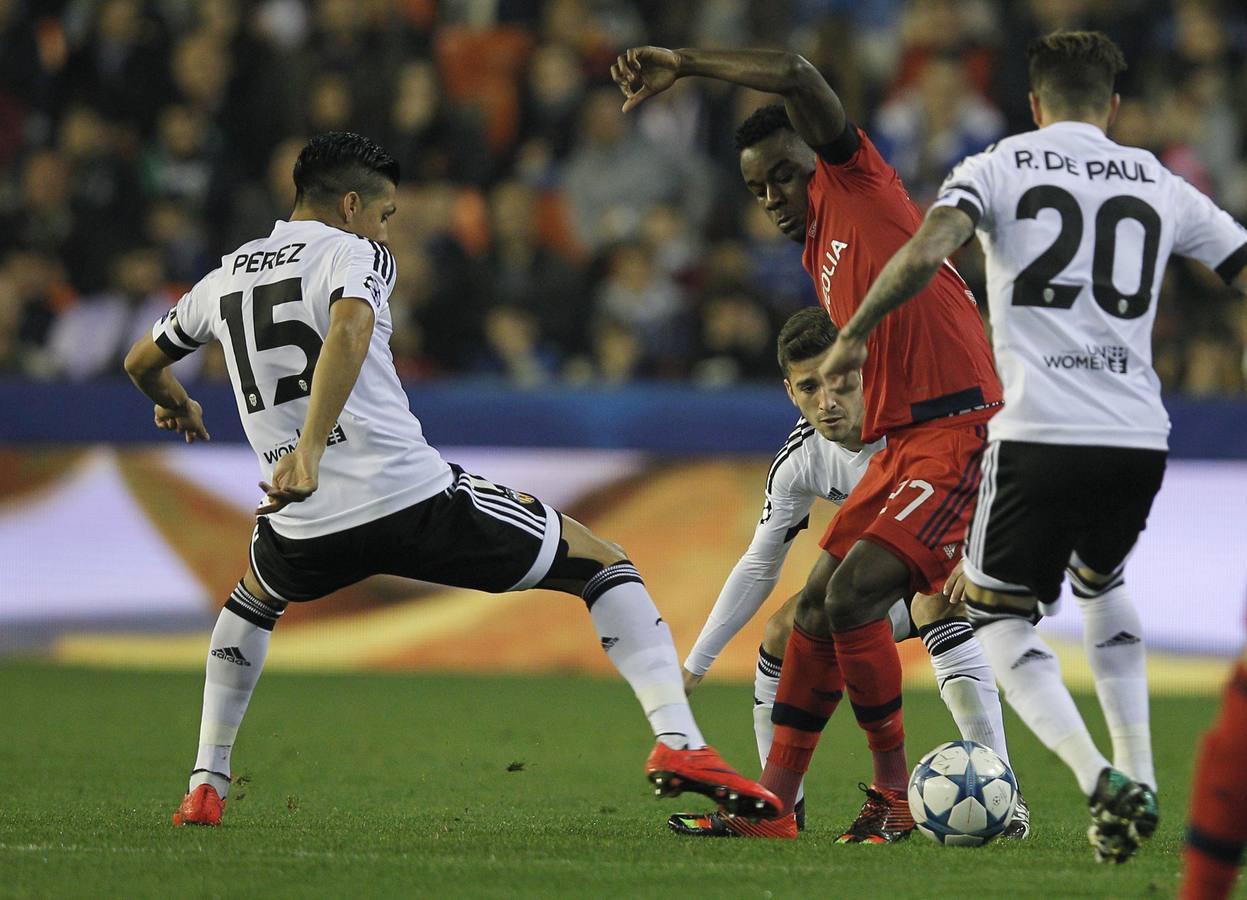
[
  {"x": 885, "y": 818},
  {"x": 1123, "y": 813},
  {"x": 1019, "y": 827}
]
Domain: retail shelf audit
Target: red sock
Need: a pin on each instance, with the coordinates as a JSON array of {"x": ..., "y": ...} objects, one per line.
[
  {"x": 810, "y": 688},
  {"x": 1218, "y": 826},
  {"x": 872, "y": 672}
]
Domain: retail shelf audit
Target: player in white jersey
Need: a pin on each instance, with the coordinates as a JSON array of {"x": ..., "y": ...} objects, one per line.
[
  {"x": 823, "y": 459},
  {"x": 1077, "y": 231},
  {"x": 352, "y": 488}
]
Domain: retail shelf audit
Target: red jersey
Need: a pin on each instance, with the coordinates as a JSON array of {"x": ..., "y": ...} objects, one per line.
[{"x": 930, "y": 358}]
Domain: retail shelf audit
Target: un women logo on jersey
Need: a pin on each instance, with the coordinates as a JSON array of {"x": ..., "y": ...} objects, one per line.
[{"x": 1095, "y": 358}]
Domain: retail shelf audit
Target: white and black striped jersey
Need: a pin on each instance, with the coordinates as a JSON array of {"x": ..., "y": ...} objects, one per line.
[
  {"x": 268, "y": 305},
  {"x": 1077, "y": 230},
  {"x": 807, "y": 467}
]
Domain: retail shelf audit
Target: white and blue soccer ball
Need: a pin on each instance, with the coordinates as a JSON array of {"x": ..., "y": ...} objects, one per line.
[{"x": 962, "y": 794}]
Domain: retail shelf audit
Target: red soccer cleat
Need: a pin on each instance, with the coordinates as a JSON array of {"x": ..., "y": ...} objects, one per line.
[
  {"x": 202, "y": 806},
  {"x": 885, "y": 818},
  {"x": 672, "y": 772},
  {"x": 720, "y": 824}
]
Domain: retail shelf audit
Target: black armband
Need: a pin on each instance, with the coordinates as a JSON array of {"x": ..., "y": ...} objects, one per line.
[{"x": 1233, "y": 264}]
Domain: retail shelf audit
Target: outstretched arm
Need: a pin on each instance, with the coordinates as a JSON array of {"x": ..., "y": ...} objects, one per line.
[
  {"x": 944, "y": 230},
  {"x": 813, "y": 107}
]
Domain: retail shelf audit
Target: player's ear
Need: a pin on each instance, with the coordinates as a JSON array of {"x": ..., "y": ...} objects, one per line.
[
  {"x": 352, "y": 203},
  {"x": 1036, "y": 114},
  {"x": 1113, "y": 106},
  {"x": 793, "y": 397}
]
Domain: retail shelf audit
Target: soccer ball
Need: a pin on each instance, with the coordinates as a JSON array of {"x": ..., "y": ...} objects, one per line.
[{"x": 962, "y": 794}]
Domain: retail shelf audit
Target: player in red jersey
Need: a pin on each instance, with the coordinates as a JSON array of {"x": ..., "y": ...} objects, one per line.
[
  {"x": 1217, "y": 833},
  {"x": 930, "y": 386}
]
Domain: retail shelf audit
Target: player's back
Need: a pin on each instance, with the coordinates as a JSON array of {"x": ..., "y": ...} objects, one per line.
[
  {"x": 1077, "y": 230},
  {"x": 269, "y": 305}
]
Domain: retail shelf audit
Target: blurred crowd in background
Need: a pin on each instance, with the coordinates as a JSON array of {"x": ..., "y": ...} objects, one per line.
[{"x": 542, "y": 236}]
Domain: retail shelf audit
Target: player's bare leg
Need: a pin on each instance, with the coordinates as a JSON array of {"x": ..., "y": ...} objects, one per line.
[
  {"x": 638, "y": 642},
  {"x": 236, "y": 655},
  {"x": 1122, "y": 811},
  {"x": 862, "y": 589},
  {"x": 1218, "y": 829}
]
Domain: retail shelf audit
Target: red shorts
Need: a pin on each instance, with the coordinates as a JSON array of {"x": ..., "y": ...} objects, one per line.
[{"x": 916, "y": 499}]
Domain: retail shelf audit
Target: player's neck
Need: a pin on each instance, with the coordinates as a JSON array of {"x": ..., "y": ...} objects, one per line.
[
  {"x": 1057, "y": 115},
  {"x": 1099, "y": 123},
  {"x": 306, "y": 213}
]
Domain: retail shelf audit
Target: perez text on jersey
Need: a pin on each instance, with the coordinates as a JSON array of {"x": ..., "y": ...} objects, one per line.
[{"x": 268, "y": 305}]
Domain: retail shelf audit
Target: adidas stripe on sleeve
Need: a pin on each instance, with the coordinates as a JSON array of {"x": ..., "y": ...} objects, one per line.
[{"x": 366, "y": 270}]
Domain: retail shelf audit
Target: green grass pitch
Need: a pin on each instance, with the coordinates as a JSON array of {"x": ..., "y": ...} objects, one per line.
[{"x": 448, "y": 786}]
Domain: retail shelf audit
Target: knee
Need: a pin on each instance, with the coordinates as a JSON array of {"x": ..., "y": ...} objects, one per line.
[
  {"x": 584, "y": 544},
  {"x": 778, "y": 629},
  {"x": 580, "y": 564},
  {"x": 929, "y": 608},
  {"x": 855, "y": 598},
  {"x": 1088, "y": 585},
  {"x": 251, "y": 602},
  {"x": 810, "y": 611},
  {"x": 602, "y": 551},
  {"x": 984, "y": 606}
]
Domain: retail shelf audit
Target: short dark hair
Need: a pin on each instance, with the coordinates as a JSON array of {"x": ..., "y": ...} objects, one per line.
[
  {"x": 807, "y": 333},
  {"x": 761, "y": 124},
  {"x": 1075, "y": 70},
  {"x": 337, "y": 162}
]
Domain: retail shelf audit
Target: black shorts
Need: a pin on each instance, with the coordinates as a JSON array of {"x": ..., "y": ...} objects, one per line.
[
  {"x": 475, "y": 534},
  {"x": 1041, "y": 504}
]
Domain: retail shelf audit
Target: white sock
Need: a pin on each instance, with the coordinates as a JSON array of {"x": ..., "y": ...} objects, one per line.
[
  {"x": 967, "y": 683},
  {"x": 639, "y": 643},
  {"x": 236, "y": 656},
  {"x": 1113, "y": 640},
  {"x": 765, "y": 686},
  {"x": 1028, "y": 671}
]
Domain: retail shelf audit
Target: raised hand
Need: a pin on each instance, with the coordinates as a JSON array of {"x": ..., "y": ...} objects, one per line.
[
  {"x": 643, "y": 72},
  {"x": 847, "y": 354}
]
